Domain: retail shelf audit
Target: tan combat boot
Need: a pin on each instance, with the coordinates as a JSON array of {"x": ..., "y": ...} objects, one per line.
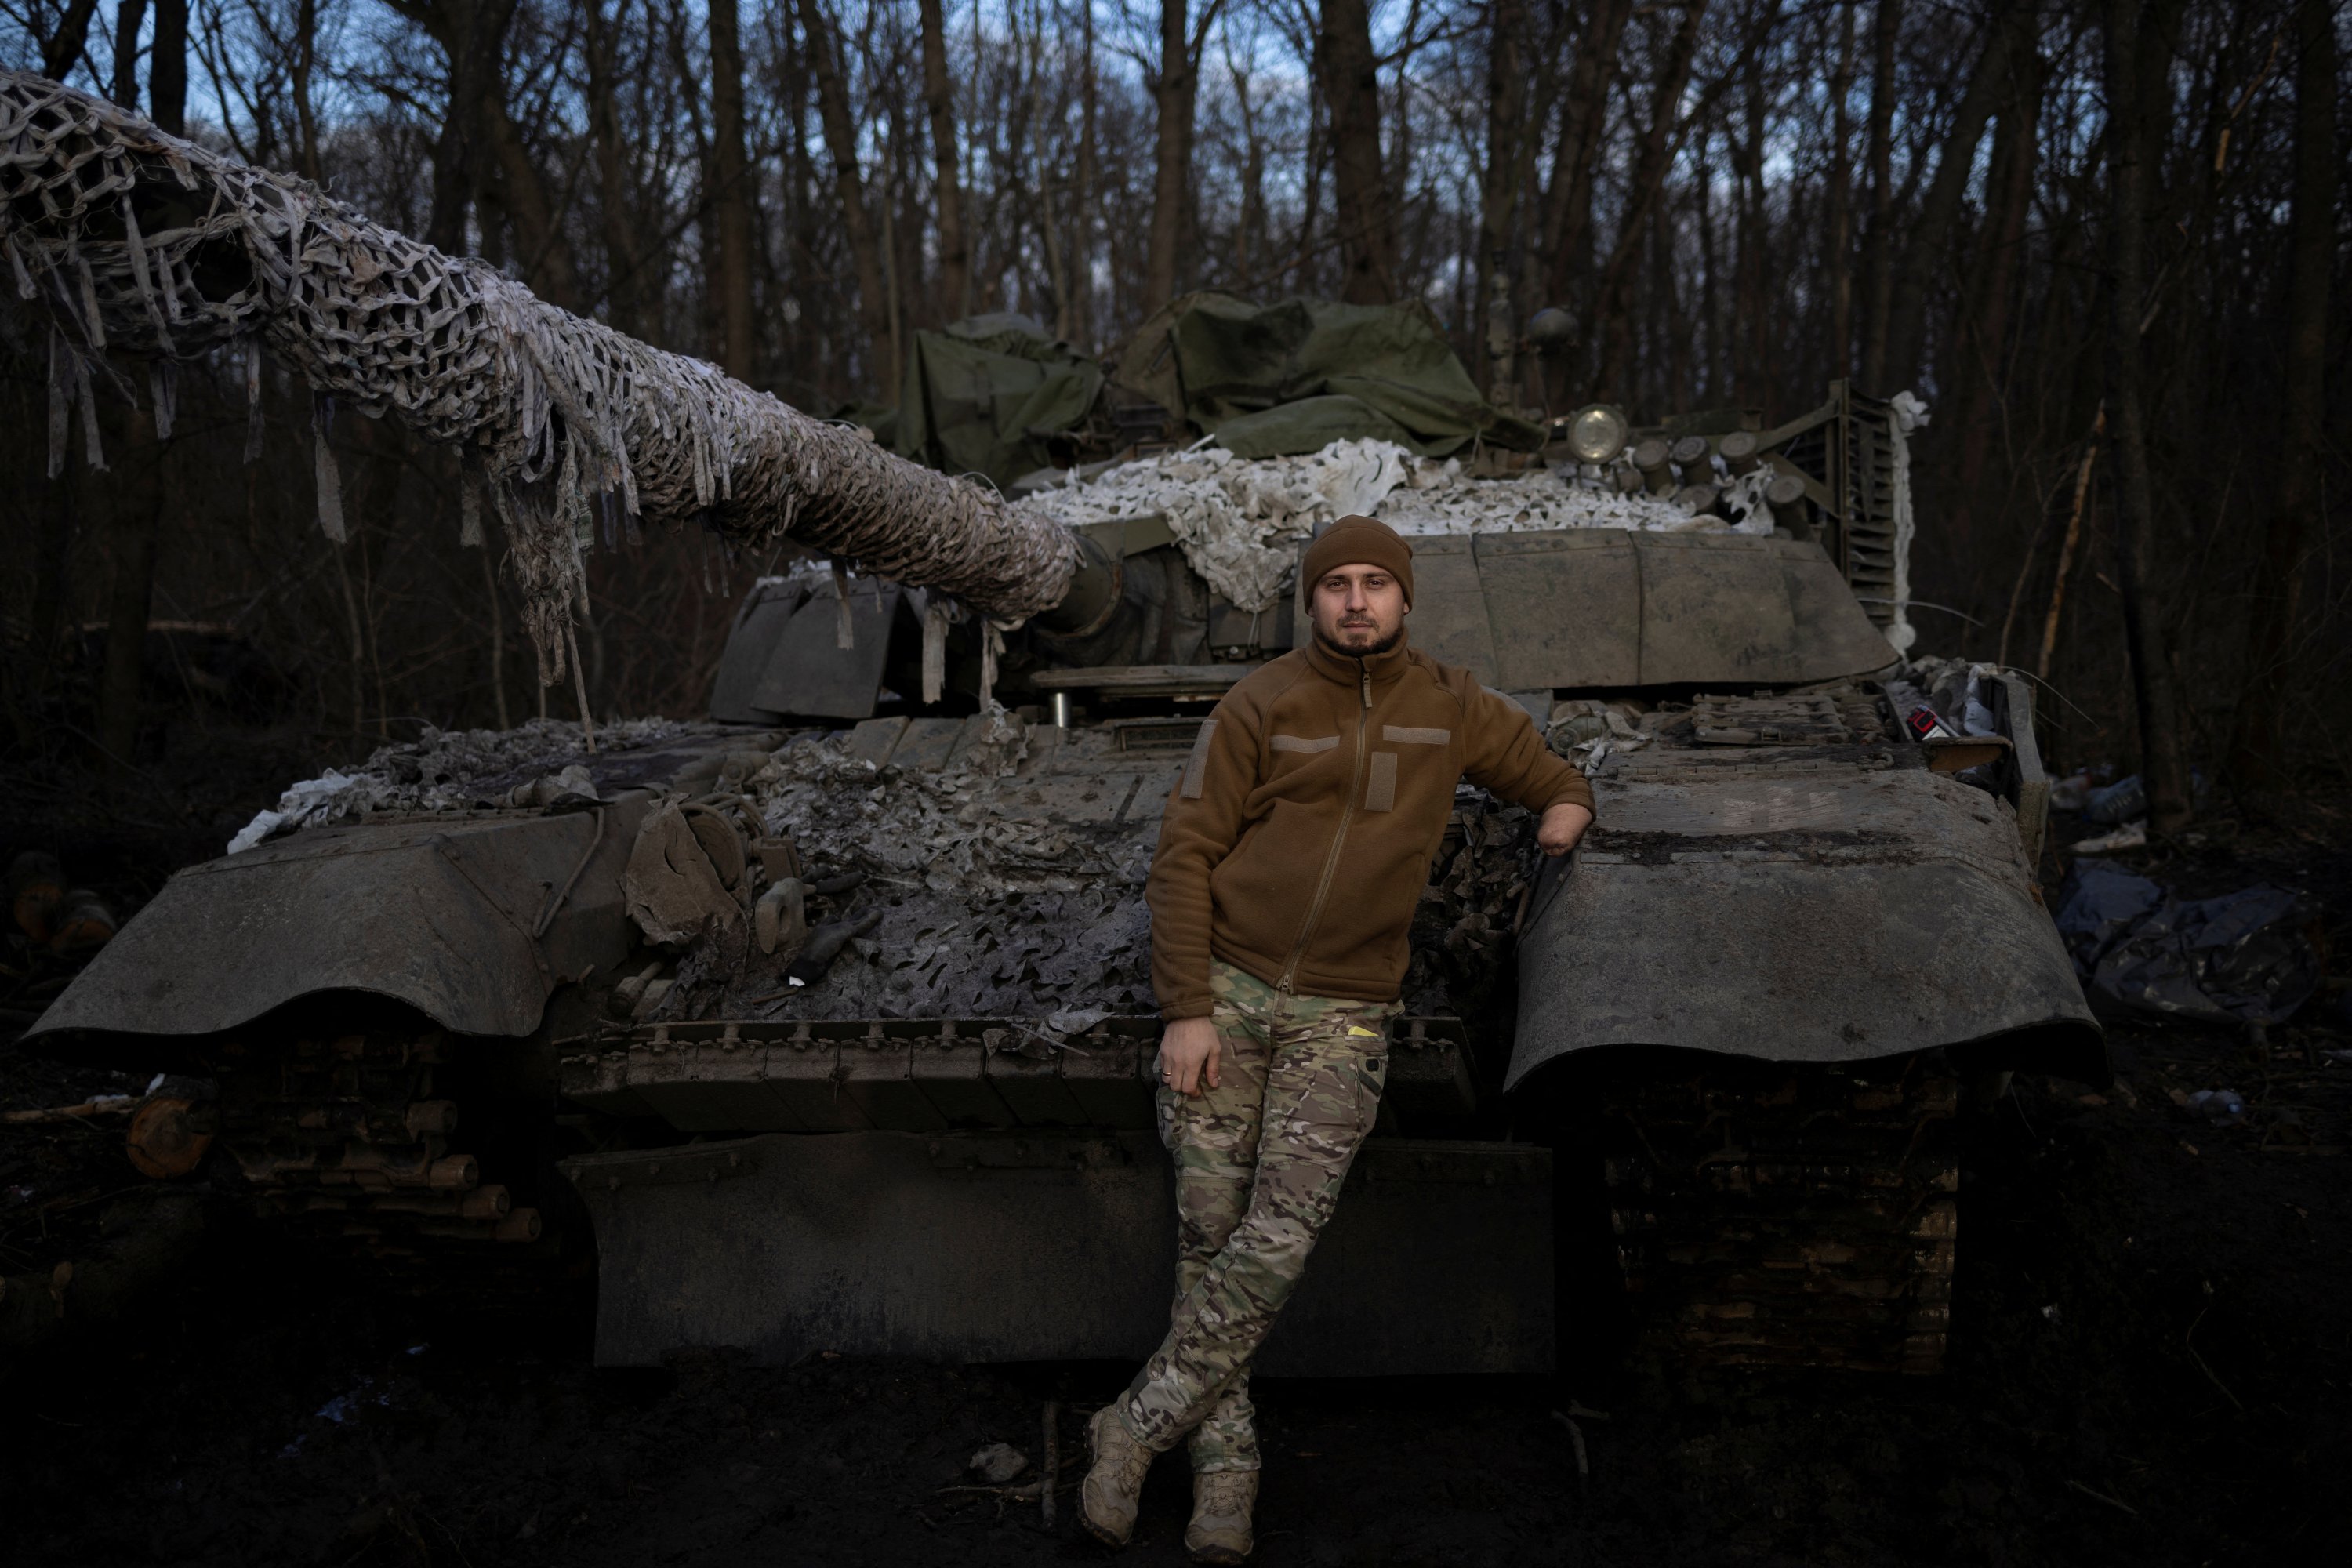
[
  {"x": 1114, "y": 1486},
  {"x": 1220, "y": 1531}
]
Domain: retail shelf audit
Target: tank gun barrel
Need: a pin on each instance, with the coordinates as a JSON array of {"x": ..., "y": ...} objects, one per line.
[{"x": 142, "y": 245}]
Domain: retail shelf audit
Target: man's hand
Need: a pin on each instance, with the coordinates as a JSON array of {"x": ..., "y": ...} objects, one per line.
[
  {"x": 1187, "y": 1056},
  {"x": 1563, "y": 823}
]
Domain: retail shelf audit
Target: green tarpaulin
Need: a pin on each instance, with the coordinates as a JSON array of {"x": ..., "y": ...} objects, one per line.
[
  {"x": 1275, "y": 380},
  {"x": 984, "y": 395}
]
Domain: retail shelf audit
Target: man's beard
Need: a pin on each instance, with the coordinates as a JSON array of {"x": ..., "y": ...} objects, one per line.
[{"x": 1381, "y": 646}]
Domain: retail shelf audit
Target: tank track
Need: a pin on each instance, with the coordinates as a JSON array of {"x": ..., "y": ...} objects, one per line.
[
  {"x": 342, "y": 1142},
  {"x": 1789, "y": 1216}
]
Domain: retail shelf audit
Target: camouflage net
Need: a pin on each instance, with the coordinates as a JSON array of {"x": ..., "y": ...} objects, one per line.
[{"x": 140, "y": 244}]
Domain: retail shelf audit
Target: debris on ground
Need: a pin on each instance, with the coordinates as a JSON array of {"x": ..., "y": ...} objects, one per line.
[
  {"x": 2244, "y": 957},
  {"x": 998, "y": 1463}
]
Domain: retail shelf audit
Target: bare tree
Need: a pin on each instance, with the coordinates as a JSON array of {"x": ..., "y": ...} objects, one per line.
[
  {"x": 939, "y": 99},
  {"x": 2257, "y": 746},
  {"x": 1506, "y": 172},
  {"x": 625, "y": 288},
  {"x": 1349, "y": 71},
  {"x": 849, "y": 180},
  {"x": 731, "y": 197},
  {"x": 1584, "y": 114},
  {"x": 1175, "y": 90},
  {"x": 2128, "y": 52},
  {"x": 1879, "y": 244}
]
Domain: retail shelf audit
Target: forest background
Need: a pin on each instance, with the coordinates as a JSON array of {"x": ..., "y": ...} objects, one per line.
[{"x": 2098, "y": 237}]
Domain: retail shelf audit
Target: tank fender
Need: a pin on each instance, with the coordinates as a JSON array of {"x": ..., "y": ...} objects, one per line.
[{"x": 473, "y": 921}]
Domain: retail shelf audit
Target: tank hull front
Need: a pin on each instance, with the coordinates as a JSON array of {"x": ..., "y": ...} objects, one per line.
[{"x": 1011, "y": 1247}]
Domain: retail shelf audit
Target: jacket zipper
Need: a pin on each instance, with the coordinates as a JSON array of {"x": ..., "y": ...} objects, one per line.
[{"x": 1332, "y": 860}]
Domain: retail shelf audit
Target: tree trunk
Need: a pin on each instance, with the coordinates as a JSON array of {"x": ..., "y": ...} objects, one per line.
[
  {"x": 1980, "y": 339},
  {"x": 167, "y": 68},
  {"x": 542, "y": 248},
  {"x": 730, "y": 199},
  {"x": 1366, "y": 217},
  {"x": 1613, "y": 301},
  {"x": 471, "y": 34},
  {"x": 1928, "y": 250},
  {"x": 1253, "y": 249},
  {"x": 1082, "y": 303},
  {"x": 939, "y": 97},
  {"x": 625, "y": 286},
  {"x": 1174, "y": 96},
  {"x": 1568, "y": 202},
  {"x": 1750, "y": 356},
  {"x": 1838, "y": 243},
  {"x": 1878, "y": 247},
  {"x": 298, "y": 86},
  {"x": 2259, "y": 746},
  {"x": 2127, "y": 150},
  {"x": 1498, "y": 205},
  {"x": 128, "y": 17},
  {"x": 62, "y": 49},
  {"x": 138, "y": 499},
  {"x": 849, "y": 180}
]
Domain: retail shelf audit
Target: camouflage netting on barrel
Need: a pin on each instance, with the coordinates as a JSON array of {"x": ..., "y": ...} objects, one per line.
[{"x": 142, "y": 246}]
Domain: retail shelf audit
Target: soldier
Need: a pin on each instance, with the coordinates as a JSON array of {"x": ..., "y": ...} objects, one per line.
[{"x": 1295, "y": 845}]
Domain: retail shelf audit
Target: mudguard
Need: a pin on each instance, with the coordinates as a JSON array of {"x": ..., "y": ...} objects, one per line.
[
  {"x": 1823, "y": 905},
  {"x": 472, "y": 920}
]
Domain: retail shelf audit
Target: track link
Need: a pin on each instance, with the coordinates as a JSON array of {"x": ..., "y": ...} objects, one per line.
[
  {"x": 1789, "y": 1216},
  {"x": 342, "y": 1138}
]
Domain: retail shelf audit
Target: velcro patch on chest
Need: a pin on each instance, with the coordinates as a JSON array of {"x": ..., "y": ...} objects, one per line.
[
  {"x": 1406, "y": 735},
  {"x": 1196, "y": 767},
  {"x": 1301, "y": 743},
  {"x": 1379, "y": 791}
]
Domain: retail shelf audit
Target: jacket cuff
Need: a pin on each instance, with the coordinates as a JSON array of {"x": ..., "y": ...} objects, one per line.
[
  {"x": 1186, "y": 1007},
  {"x": 1579, "y": 793}
]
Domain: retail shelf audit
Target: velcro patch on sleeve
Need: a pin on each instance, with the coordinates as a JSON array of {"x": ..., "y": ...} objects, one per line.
[
  {"x": 1380, "y": 793},
  {"x": 1405, "y": 735},
  {"x": 1196, "y": 767},
  {"x": 1301, "y": 743}
]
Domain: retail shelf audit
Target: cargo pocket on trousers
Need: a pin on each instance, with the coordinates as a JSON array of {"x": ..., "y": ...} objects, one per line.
[{"x": 1332, "y": 1105}]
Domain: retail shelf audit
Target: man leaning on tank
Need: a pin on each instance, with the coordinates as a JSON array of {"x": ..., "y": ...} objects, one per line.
[{"x": 1295, "y": 845}]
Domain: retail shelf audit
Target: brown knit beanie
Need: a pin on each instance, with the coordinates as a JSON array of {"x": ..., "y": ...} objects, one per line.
[{"x": 1358, "y": 541}]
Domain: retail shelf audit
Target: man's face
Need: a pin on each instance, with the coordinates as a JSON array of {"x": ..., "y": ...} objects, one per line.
[{"x": 1356, "y": 610}]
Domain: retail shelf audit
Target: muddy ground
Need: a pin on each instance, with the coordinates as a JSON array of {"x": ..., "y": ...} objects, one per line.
[{"x": 2151, "y": 1363}]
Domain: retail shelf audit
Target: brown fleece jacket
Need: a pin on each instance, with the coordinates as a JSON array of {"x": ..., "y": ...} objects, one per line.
[{"x": 1301, "y": 832}]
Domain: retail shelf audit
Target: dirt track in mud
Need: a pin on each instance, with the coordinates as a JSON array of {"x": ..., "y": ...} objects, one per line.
[{"x": 2151, "y": 1363}]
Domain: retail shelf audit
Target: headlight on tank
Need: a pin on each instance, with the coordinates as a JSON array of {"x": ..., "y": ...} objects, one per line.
[{"x": 1597, "y": 433}]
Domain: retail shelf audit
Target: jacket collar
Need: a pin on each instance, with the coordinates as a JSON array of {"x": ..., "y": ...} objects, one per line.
[{"x": 1348, "y": 669}]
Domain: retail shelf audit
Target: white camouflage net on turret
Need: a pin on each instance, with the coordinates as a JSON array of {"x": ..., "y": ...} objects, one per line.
[
  {"x": 141, "y": 245},
  {"x": 1242, "y": 522}
]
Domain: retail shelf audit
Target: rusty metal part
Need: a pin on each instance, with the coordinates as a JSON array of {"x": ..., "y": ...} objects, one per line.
[
  {"x": 1788, "y": 1217},
  {"x": 344, "y": 1138},
  {"x": 169, "y": 1137}
]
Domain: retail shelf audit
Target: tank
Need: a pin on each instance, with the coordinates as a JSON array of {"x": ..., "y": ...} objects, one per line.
[{"x": 824, "y": 1024}]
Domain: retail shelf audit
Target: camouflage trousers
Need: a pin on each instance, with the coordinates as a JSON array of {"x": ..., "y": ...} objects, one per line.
[{"x": 1259, "y": 1160}]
